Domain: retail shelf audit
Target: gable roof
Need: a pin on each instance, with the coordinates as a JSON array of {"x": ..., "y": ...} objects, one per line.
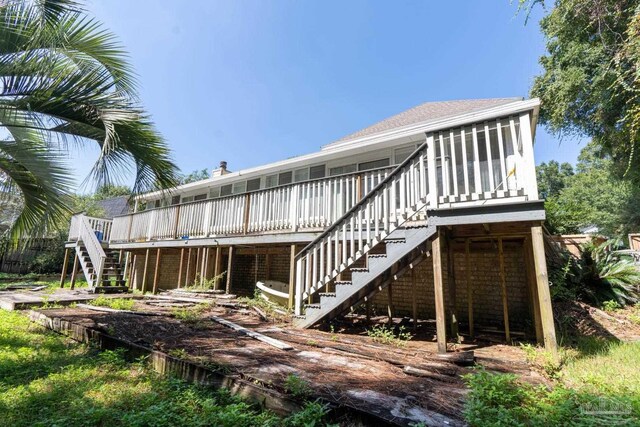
[{"x": 423, "y": 113}]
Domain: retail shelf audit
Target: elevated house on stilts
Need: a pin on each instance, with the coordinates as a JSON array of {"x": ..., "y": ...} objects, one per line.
[{"x": 432, "y": 214}]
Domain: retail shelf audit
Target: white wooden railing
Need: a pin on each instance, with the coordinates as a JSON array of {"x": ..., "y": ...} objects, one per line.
[
  {"x": 394, "y": 200},
  {"x": 101, "y": 225},
  {"x": 311, "y": 205},
  {"x": 477, "y": 163}
]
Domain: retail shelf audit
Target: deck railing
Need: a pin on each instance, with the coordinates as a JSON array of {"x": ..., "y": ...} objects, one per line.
[
  {"x": 311, "y": 205},
  {"x": 477, "y": 163},
  {"x": 84, "y": 230}
]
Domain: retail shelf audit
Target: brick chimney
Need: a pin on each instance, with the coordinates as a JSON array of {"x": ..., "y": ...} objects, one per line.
[{"x": 222, "y": 169}]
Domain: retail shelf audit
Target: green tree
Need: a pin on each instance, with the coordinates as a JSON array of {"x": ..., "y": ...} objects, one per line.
[
  {"x": 590, "y": 83},
  {"x": 65, "y": 80},
  {"x": 109, "y": 191},
  {"x": 596, "y": 195},
  {"x": 552, "y": 178},
  {"x": 196, "y": 175}
]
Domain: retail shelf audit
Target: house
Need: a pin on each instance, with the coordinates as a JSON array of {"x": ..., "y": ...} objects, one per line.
[{"x": 432, "y": 213}]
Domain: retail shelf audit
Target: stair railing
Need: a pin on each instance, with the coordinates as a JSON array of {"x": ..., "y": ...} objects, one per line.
[
  {"x": 395, "y": 199},
  {"x": 94, "y": 248}
]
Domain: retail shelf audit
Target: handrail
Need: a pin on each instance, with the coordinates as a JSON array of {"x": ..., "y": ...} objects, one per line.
[
  {"x": 261, "y": 190},
  {"x": 365, "y": 199},
  {"x": 394, "y": 200},
  {"x": 94, "y": 248}
]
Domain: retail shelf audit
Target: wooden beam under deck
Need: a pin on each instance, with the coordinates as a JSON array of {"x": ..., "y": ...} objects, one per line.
[
  {"x": 441, "y": 327},
  {"x": 544, "y": 295},
  {"x": 63, "y": 276}
]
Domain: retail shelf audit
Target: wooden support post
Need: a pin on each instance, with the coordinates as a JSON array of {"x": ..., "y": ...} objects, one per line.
[
  {"x": 65, "y": 263},
  {"x": 203, "y": 266},
  {"x": 131, "y": 271},
  {"x": 367, "y": 305},
  {"x": 534, "y": 305},
  {"x": 144, "y": 273},
  {"x": 120, "y": 254},
  {"x": 156, "y": 272},
  {"x": 195, "y": 268},
  {"x": 451, "y": 288},
  {"x": 292, "y": 275},
  {"x": 390, "y": 308},
  {"x": 180, "y": 268},
  {"x": 542, "y": 284},
  {"x": 503, "y": 288},
  {"x": 229, "y": 270},
  {"x": 441, "y": 326},
  {"x": 469, "y": 290},
  {"x": 74, "y": 272},
  {"x": 217, "y": 267},
  {"x": 414, "y": 292},
  {"x": 186, "y": 276}
]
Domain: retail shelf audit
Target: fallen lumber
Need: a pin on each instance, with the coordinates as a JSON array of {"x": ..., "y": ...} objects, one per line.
[
  {"x": 181, "y": 299},
  {"x": 113, "y": 310},
  {"x": 261, "y": 313},
  {"x": 255, "y": 335},
  {"x": 410, "y": 370},
  {"x": 462, "y": 358},
  {"x": 38, "y": 288}
]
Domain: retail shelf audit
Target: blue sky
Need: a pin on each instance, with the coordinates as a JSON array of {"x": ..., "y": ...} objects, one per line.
[{"x": 252, "y": 82}]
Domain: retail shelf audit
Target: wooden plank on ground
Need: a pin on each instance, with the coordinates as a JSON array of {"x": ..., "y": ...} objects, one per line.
[
  {"x": 265, "y": 339},
  {"x": 181, "y": 299},
  {"x": 113, "y": 310}
]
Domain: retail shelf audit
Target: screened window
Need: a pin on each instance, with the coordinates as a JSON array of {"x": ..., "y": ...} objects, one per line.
[
  {"x": 301, "y": 175},
  {"x": 200, "y": 197},
  {"x": 285, "y": 178},
  {"x": 253, "y": 184},
  {"x": 187, "y": 199},
  {"x": 175, "y": 200},
  {"x": 214, "y": 192},
  {"x": 270, "y": 181},
  {"x": 373, "y": 164},
  {"x": 157, "y": 203},
  {"x": 225, "y": 190},
  {"x": 339, "y": 170},
  {"x": 239, "y": 187},
  {"x": 401, "y": 154},
  {"x": 316, "y": 172}
]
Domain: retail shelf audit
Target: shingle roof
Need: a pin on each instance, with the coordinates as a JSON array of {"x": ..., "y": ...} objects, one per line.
[
  {"x": 114, "y": 206},
  {"x": 427, "y": 112}
]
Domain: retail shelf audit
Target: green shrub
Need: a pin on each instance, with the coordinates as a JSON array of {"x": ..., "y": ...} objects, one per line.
[
  {"x": 297, "y": 387},
  {"x": 386, "y": 335},
  {"x": 599, "y": 275}
]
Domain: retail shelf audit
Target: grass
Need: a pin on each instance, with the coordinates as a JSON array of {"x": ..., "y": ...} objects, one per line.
[
  {"x": 47, "y": 380},
  {"x": 386, "y": 335},
  {"x": 115, "y": 303},
  {"x": 50, "y": 284},
  {"x": 596, "y": 383}
]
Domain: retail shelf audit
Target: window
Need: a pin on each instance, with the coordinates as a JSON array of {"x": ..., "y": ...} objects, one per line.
[
  {"x": 339, "y": 170},
  {"x": 214, "y": 192},
  {"x": 200, "y": 197},
  {"x": 373, "y": 164},
  {"x": 270, "y": 181},
  {"x": 157, "y": 203},
  {"x": 239, "y": 187},
  {"x": 401, "y": 154},
  {"x": 285, "y": 178},
  {"x": 316, "y": 172},
  {"x": 187, "y": 199},
  {"x": 253, "y": 184},
  {"x": 225, "y": 190},
  {"x": 175, "y": 200},
  {"x": 301, "y": 175}
]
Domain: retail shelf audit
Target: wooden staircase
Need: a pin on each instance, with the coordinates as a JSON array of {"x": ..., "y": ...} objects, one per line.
[
  {"x": 100, "y": 265},
  {"x": 394, "y": 255},
  {"x": 371, "y": 243}
]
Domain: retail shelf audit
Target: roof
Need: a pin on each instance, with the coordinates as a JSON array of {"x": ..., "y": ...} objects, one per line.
[
  {"x": 429, "y": 111},
  {"x": 114, "y": 206}
]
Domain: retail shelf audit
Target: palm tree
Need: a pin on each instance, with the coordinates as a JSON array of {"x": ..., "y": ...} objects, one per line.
[{"x": 65, "y": 82}]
